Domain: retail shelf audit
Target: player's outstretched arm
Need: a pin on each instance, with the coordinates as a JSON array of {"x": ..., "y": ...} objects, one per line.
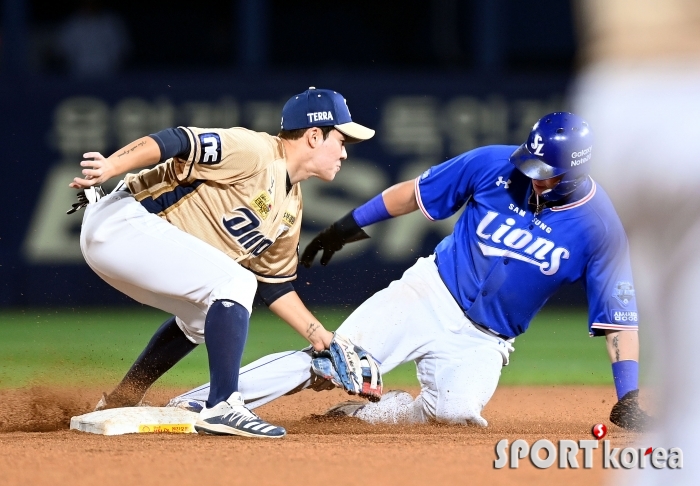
[
  {"x": 397, "y": 200},
  {"x": 400, "y": 198},
  {"x": 292, "y": 310},
  {"x": 623, "y": 350},
  {"x": 97, "y": 169},
  {"x": 336, "y": 358}
]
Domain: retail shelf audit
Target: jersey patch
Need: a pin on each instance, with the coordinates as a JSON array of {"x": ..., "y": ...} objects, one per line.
[
  {"x": 262, "y": 204},
  {"x": 289, "y": 218},
  {"x": 623, "y": 292},
  {"x": 624, "y": 316},
  {"x": 211, "y": 148}
]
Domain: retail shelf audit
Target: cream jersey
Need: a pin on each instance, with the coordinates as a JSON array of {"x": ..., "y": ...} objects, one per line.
[
  {"x": 230, "y": 192},
  {"x": 636, "y": 31}
]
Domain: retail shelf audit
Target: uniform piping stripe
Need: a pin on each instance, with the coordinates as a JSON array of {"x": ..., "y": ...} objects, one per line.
[
  {"x": 168, "y": 199},
  {"x": 578, "y": 203},
  {"x": 268, "y": 362},
  {"x": 193, "y": 142},
  {"x": 618, "y": 327},
  {"x": 420, "y": 201}
]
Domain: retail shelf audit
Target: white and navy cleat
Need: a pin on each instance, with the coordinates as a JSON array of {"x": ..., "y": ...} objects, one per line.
[{"x": 231, "y": 417}]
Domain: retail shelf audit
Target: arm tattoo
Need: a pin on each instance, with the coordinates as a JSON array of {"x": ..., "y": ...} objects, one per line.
[
  {"x": 313, "y": 327},
  {"x": 129, "y": 150},
  {"x": 615, "y": 343}
]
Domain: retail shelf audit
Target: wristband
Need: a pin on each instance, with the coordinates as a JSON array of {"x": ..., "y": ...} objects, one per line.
[
  {"x": 373, "y": 211},
  {"x": 626, "y": 377}
]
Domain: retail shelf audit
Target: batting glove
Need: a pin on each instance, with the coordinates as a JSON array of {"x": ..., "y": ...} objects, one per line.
[{"x": 332, "y": 239}]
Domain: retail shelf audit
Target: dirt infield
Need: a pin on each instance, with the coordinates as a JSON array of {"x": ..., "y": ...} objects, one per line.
[{"x": 36, "y": 446}]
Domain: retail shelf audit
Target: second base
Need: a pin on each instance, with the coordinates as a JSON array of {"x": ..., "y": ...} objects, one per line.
[{"x": 136, "y": 420}]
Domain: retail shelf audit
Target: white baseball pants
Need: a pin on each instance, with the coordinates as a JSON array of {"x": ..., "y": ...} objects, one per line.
[
  {"x": 414, "y": 319},
  {"x": 155, "y": 263}
]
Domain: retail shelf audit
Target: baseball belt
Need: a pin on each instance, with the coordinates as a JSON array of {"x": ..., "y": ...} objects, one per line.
[{"x": 489, "y": 331}]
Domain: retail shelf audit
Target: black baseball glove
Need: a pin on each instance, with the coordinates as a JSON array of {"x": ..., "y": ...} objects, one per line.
[
  {"x": 627, "y": 413},
  {"x": 332, "y": 239}
]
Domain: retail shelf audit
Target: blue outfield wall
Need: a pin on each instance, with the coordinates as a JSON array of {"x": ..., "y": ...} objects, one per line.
[{"x": 421, "y": 120}]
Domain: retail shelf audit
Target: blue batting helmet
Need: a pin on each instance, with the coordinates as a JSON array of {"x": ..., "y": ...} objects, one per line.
[{"x": 559, "y": 144}]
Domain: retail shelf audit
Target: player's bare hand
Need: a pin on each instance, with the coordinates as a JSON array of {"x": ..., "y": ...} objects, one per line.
[
  {"x": 318, "y": 336},
  {"x": 326, "y": 339},
  {"x": 96, "y": 170}
]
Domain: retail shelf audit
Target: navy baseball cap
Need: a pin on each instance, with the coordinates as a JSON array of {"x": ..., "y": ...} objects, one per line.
[{"x": 322, "y": 108}]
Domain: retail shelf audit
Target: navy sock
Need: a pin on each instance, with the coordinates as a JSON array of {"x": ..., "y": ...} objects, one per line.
[
  {"x": 225, "y": 333},
  {"x": 167, "y": 346}
]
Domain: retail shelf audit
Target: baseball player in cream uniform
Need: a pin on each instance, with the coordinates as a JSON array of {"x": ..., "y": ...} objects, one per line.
[{"x": 216, "y": 219}]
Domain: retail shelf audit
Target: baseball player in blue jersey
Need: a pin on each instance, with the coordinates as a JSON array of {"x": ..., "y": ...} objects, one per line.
[{"x": 533, "y": 220}]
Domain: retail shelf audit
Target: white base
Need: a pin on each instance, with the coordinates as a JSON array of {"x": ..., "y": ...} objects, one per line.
[{"x": 136, "y": 420}]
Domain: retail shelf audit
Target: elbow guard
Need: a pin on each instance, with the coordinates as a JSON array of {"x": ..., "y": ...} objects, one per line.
[
  {"x": 173, "y": 142},
  {"x": 270, "y": 292}
]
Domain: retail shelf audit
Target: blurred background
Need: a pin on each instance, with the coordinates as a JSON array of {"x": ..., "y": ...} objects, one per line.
[{"x": 434, "y": 78}]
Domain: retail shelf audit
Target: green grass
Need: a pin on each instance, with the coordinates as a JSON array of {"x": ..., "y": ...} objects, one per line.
[
  {"x": 556, "y": 349},
  {"x": 96, "y": 346}
]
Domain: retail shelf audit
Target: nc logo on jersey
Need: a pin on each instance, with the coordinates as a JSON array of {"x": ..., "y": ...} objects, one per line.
[
  {"x": 537, "y": 146},
  {"x": 521, "y": 244},
  {"x": 211, "y": 148},
  {"x": 623, "y": 292},
  {"x": 242, "y": 226}
]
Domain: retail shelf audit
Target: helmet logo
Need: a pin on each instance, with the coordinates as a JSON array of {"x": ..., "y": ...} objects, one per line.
[{"x": 537, "y": 145}]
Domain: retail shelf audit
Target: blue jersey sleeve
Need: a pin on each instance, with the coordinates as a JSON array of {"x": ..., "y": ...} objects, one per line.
[
  {"x": 609, "y": 286},
  {"x": 443, "y": 189}
]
